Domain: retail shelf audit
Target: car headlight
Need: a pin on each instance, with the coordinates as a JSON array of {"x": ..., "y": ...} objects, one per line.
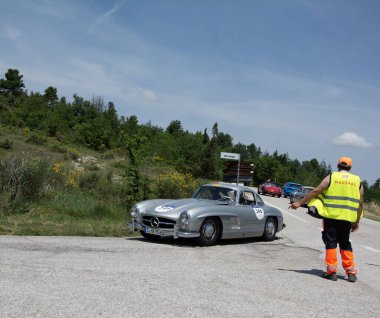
[
  {"x": 135, "y": 211},
  {"x": 184, "y": 219}
]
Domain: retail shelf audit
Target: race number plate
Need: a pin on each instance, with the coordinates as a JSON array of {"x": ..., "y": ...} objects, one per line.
[{"x": 149, "y": 230}]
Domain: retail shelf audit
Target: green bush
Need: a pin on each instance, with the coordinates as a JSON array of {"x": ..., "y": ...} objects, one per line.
[
  {"x": 6, "y": 144},
  {"x": 112, "y": 192},
  {"x": 36, "y": 139},
  {"x": 89, "y": 180},
  {"x": 17, "y": 206},
  {"x": 175, "y": 185},
  {"x": 34, "y": 179},
  {"x": 23, "y": 177},
  {"x": 58, "y": 148}
]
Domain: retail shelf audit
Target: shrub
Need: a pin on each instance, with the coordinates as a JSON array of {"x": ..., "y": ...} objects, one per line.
[
  {"x": 36, "y": 139},
  {"x": 372, "y": 210},
  {"x": 72, "y": 154},
  {"x": 58, "y": 148},
  {"x": 112, "y": 192},
  {"x": 6, "y": 144},
  {"x": 89, "y": 180},
  {"x": 175, "y": 185},
  {"x": 24, "y": 177},
  {"x": 34, "y": 179},
  {"x": 92, "y": 167}
]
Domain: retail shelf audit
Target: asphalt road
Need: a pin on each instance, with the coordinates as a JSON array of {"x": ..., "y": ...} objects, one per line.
[{"x": 131, "y": 277}]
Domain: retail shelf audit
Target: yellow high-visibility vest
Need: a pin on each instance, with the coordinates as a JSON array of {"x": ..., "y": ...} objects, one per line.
[{"x": 341, "y": 199}]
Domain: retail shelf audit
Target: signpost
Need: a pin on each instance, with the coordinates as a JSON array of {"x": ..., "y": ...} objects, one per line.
[
  {"x": 233, "y": 169},
  {"x": 232, "y": 156}
]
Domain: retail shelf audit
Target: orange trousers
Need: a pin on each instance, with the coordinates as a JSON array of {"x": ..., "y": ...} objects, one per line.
[
  {"x": 348, "y": 262},
  {"x": 338, "y": 232}
]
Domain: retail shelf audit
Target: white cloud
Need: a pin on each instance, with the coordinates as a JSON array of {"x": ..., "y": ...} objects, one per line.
[
  {"x": 107, "y": 15},
  {"x": 351, "y": 139}
]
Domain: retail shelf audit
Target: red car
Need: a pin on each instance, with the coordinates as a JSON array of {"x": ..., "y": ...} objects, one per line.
[{"x": 270, "y": 188}]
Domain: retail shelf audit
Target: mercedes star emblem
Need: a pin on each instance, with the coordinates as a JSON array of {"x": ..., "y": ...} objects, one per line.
[{"x": 154, "y": 221}]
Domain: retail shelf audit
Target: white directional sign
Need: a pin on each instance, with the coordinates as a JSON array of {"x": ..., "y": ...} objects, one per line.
[{"x": 230, "y": 156}]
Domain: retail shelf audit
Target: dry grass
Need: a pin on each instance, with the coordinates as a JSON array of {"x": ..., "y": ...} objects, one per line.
[{"x": 372, "y": 211}]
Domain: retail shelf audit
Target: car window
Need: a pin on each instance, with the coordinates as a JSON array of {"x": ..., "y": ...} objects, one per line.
[
  {"x": 214, "y": 193},
  {"x": 259, "y": 201},
  {"x": 247, "y": 198}
]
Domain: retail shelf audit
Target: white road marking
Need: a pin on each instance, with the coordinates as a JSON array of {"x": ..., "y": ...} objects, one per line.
[
  {"x": 371, "y": 249},
  {"x": 295, "y": 216},
  {"x": 287, "y": 212}
]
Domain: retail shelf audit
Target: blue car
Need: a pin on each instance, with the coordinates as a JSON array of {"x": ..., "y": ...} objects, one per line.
[{"x": 289, "y": 187}]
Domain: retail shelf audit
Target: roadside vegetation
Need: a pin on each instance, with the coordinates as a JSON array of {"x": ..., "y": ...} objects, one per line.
[{"x": 76, "y": 168}]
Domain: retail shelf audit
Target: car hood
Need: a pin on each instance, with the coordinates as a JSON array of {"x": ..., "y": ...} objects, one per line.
[{"x": 173, "y": 208}]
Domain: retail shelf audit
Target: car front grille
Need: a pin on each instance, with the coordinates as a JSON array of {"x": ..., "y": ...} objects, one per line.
[{"x": 158, "y": 222}]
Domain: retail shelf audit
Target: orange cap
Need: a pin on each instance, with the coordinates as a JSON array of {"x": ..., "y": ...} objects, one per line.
[{"x": 345, "y": 161}]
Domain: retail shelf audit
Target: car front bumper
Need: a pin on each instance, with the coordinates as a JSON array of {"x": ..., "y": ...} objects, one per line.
[{"x": 175, "y": 232}]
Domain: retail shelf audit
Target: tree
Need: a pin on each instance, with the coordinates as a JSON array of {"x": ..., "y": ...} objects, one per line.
[
  {"x": 13, "y": 84},
  {"x": 98, "y": 103},
  {"x": 51, "y": 95},
  {"x": 137, "y": 185},
  {"x": 206, "y": 138},
  {"x": 175, "y": 127},
  {"x": 376, "y": 185}
]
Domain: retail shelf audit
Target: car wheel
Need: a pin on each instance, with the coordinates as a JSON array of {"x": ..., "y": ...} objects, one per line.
[
  {"x": 209, "y": 232},
  {"x": 150, "y": 237},
  {"x": 270, "y": 229}
]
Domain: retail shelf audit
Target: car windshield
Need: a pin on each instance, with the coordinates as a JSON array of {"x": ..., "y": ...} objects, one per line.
[{"x": 215, "y": 193}]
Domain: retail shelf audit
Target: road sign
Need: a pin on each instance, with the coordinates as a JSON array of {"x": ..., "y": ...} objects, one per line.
[{"x": 230, "y": 156}]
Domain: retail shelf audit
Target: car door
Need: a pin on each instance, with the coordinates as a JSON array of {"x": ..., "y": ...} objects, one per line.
[{"x": 252, "y": 213}]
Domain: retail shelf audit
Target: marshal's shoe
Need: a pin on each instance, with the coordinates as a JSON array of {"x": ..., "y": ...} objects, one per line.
[
  {"x": 331, "y": 276},
  {"x": 352, "y": 278}
]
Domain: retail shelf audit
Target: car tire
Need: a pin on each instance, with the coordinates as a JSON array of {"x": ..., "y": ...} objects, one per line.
[
  {"x": 270, "y": 229},
  {"x": 149, "y": 237},
  {"x": 209, "y": 232}
]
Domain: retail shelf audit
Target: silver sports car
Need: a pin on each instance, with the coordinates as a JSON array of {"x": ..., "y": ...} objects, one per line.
[{"x": 215, "y": 211}]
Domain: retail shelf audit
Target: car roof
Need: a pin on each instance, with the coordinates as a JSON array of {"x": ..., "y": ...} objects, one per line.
[
  {"x": 293, "y": 183},
  {"x": 233, "y": 186}
]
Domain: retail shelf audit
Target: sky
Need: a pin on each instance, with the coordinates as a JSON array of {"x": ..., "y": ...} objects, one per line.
[{"x": 298, "y": 76}]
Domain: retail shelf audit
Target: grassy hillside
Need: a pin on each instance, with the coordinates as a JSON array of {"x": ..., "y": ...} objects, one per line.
[
  {"x": 83, "y": 195},
  {"x": 82, "y": 191}
]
